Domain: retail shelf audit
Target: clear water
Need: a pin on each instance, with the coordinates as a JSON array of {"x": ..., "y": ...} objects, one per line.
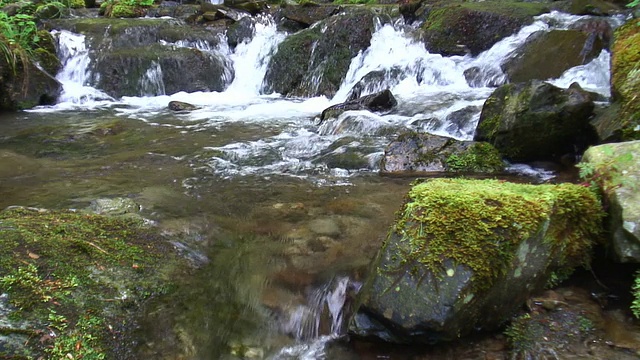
[{"x": 278, "y": 225}]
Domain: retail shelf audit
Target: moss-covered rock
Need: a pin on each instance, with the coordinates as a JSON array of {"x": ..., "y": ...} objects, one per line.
[
  {"x": 471, "y": 27},
  {"x": 413, "y": 153},
  {"x": 615, "y": 170},
  {"x": 465, "y": 254},
  {"x": 77, "y": 275},
  {"x": 625, "y": 80},
  {"x": 559, "y": 118},
  {"x": 314, "y": 61},
  {"x": 547, "y": 55}
]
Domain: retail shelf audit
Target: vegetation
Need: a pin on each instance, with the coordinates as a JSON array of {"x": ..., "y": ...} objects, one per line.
[
  {"x": 479, "y": 158},
  {"x": 480, "y": 223},
  {"x": 77, "y": 274},
  {"x": 125, "y": 8},
  {"x": 605, "y": 176}
]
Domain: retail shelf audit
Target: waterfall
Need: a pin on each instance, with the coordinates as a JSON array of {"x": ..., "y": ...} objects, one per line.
[
  {"x": 318, "y": 322},
  {"x": 250, "y": 59},
  {"x": 75, "y": 75},
  {"x": 151, "y": 83}
]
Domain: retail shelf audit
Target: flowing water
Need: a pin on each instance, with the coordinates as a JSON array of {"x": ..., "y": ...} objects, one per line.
[{"x": 278, "y": 215}]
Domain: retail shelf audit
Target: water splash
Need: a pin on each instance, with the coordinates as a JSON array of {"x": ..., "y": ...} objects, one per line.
[{"x": 152, "y": 83}]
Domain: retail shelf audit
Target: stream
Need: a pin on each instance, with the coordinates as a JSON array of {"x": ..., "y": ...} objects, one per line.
[{"x": 278, "y": 215}]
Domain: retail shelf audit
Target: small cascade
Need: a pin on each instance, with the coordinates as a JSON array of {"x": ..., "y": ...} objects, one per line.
[
  {"x": 250, "y": 59},
  {"x": 75, "y": 75},
  {"x": 151, "y": 83},
  {"x": 320, "y": 321}
]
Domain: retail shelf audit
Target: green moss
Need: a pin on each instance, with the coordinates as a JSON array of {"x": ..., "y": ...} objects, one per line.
[
  {"x": 123, "y": 11},
  {"x": 75, "y": 4},
  {"x": 479, "y": 224},
  {"x": 78, "y": 267},
  {"x": 625, "y": 70},
  {"x": 479, "y": 157}
]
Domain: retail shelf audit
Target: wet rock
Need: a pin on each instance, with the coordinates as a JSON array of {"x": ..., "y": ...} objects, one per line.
[
  {"x": 616, "y": 170},
  {"x": 558, "y": 117},
  {"x": 472, "y": 27},
  {"x": 240, "y": 31},
  {"x": 593, "y": 7},
  {"x": 376, "y": 81},
  {"x": 462, "y": 123},
  {"x": 181, "y": 106},
  {"x": 309, "y": 14},
  {"x": 252, "y": 7},
  {"x": 114, "y": 206},
  {"x": 465, "y": 255},
  {"x": 325, "y": 227},
  {"x": 413, "y": 153},
  {"x": 477, "y": 77},
  {"x": 313, "y": 62},
  {"x": 24, "y": 85},
  {"x": 625, "y": 82},
  {"x": 174, "y": 10},
  {"x": 380, "y": 101},
  {"x": 547, "y": 55}
]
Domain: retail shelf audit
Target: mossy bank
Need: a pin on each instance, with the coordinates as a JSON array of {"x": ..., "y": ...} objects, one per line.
[{"x": 75, "y": 281}]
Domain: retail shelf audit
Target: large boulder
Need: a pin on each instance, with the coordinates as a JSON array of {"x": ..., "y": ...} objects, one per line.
[
  {"x": 314, "y": 61},
  {"x": 625, "y": 83},
  {"x": 133, "y": 57},
  {"x": 546, "y": 55},
  {"x": 158, "y": 70},
  {"x": 615, "y": 170},
  {"x": 465, "y": 255},
  {"x": 309, "y": 13},
  {"x": 24, "y": 85},
  {"x": 472, "y": 27},
  {"x": 537, "y": 121},
  {"x": 413, "y": 153}
]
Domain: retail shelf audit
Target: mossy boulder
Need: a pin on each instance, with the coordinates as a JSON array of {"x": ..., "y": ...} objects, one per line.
[
  {"x": 615, "y": 170},
  {"x": 625, "y": 80},
  {"x": 24, "y": 85},
  {"x": 547, "y": 55},
  {"x": 593, "y": 7},
  {"x": 127, "y": 71},
  {"x": 472, "y": 27},
  {"x": 81, "y": 276},
  {"x": 413, "y": 153},
  {"x": 314, "y": 61},
  {"x": 537, "y": 121},
  {"x": 465, "y": 255}
]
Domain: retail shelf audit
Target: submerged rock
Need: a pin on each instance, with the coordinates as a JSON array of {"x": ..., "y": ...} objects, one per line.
[
  {"x": 615, "y": 169},
  {"x": 415, "y": 152},
  {"x": 537, "y": 121},
  {"x": 464, "y": 255}
]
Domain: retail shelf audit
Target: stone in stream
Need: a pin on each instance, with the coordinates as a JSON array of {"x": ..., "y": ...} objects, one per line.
[
  {"x": 381, "y": 101},
  {"x": 537, "y": 121},
  {"x": 615, "y": 169},
  {"x": 465, "y": 255},
  {"x": 181, "y": 106}
]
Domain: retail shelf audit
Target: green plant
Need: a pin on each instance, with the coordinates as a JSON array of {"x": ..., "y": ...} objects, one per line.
[
  {"x": 635, "y": 290},
  {"x": 634, "y": 3},
  {"x": 81, "y": 342},
  {"x": 606, "y": 176},
  {"x": 27, "y": 287}
]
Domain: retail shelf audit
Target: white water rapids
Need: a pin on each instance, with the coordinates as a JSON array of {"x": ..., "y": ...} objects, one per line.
[{"x": 429, "y": 89}]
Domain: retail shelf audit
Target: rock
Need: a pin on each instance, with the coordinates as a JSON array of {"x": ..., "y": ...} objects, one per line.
[
  {"x": 593, "y": 7},
  {"x": 625, "y": 81},
  {"x": 114, "y": 206},
  {"x": 415, "y": 152},
  {"x": 547, "y": 55},
  {"x": 251, "y": 6},
  {"x": 313, "y": 62},
  {"x": 23, "y": 85},
  {"x": 181, "y": 106},
  {"x": 478, "y": 77},
  {"x": 380, "y": 101},
  {"x": 376, "y": 81},
  {"x": 325, "y": 227},
  {"x": 309, "y": 14},
  {"x": 559, "y": 118},
  {"x": 174, "y": 10},
  {"x": 472, "y": 27},
  {"x": 465, "y": 255},
  {"x": 615, "y": 169},
  {"x": 241, "y": 31}
]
